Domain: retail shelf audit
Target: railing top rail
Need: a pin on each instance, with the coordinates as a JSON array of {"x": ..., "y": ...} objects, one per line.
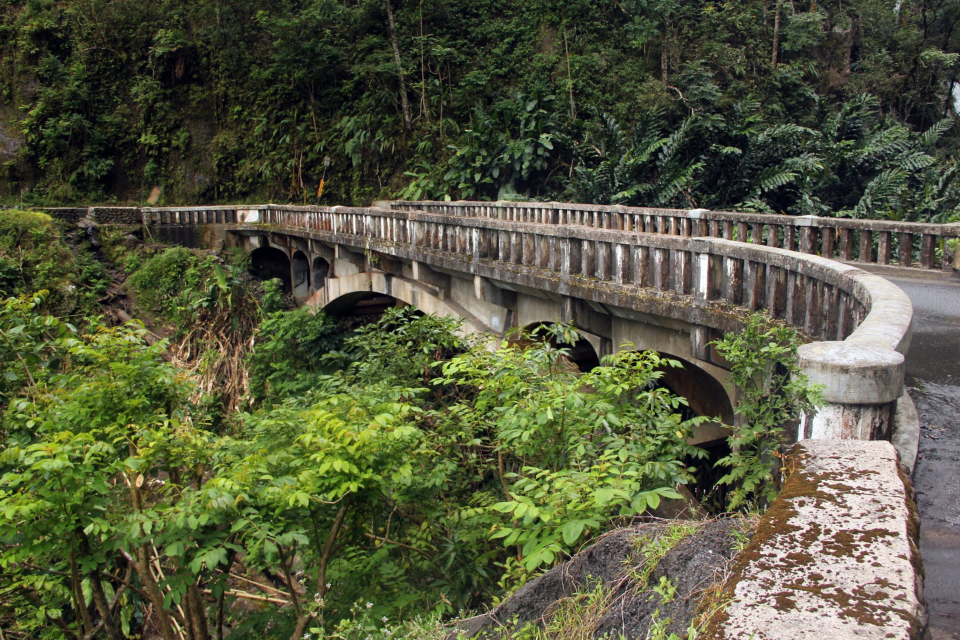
[{"x": 951, "y": 230}]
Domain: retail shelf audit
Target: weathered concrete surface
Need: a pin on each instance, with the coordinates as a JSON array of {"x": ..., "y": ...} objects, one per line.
[
  {"x": 860, "y": 381},
  {"x": 835, "y": 556},
  {"x": 906, "y": 434},
  {"x": 933, "y": 372}
]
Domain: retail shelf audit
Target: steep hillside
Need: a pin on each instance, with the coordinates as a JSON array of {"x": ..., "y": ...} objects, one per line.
[{"x": 800, "y": 106}]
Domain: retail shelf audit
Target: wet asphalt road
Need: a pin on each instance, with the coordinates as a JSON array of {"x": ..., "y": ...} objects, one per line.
[{"x": 933, "y": 373}]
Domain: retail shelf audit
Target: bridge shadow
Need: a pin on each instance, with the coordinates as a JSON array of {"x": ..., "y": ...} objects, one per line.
[{"x": 267, "y": 263}]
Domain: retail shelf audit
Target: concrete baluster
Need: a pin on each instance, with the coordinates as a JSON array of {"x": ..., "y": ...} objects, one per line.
[
  {"x": 754, "y": 285},
  {"x": 812, "y": 318},
  {"x": 604, "y": 257},
  {"x": 709, "y": 276},
  {"x": 827, "y": 241},
  {"x": 776, "y": 291},
  {"x": 732, "y": 289},
  {"x": 661, "y": 269},
  {"x": 906, "y": 250},
  {"x": 683, "y": 271},
  {"x": 641, "y": 267},
  {"x": 846, "y": 244},
  {"x": 728, "y": 229},
  {"x": 789, "y": 236},
  {"x": 742, "y": 232},
  {"x": 926, "y": 251},
  {"x": 866, "y": 246},
  {"x": 588, "y": 259},
  {"x": 884, "y": 250},
  {"x": 773, "y": 235}
]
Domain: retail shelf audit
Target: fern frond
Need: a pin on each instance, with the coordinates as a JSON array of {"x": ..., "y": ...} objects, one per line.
[
  {"x": 929, "y": 137},
  {"x": 884, "y": 187},
  {"x": 914, "y": 161},
  {"x": 774, "y": 178}
]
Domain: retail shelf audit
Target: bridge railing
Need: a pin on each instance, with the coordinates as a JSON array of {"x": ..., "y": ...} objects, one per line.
[
  {"x": 859, "y": 323},
  {"x": 882, "y": 242}
]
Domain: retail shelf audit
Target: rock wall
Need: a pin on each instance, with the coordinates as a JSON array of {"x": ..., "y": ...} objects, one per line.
[
  {"x": 115, "y": 215},
  {"x": 69, "y": 214}
]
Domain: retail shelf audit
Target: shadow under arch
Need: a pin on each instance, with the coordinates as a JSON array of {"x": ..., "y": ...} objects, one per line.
[
  {"x": 582, "y": 353},
  {"x": 706, "y": 397},
  {"x": 321, "y": 269},
  {"x": 355, "y": 309},
  {"x": 267, "y": 263},
  {"x": 300, "y": 270},
  {"x": 704, "y": 393}
]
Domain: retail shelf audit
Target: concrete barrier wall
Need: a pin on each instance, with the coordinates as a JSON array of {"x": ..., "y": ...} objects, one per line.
[{"x": 835, "y": 557}]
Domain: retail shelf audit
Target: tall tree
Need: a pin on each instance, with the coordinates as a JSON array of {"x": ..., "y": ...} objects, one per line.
[{"x": 404, "y": 104}]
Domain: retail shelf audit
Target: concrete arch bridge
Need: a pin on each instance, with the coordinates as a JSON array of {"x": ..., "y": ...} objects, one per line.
[{"x": 673, "y": 281}]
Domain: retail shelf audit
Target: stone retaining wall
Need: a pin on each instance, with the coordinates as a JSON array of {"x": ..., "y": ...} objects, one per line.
[
  {"x": 115, "y": 215},
  {"x": 835, "y": 556},
  {"x": 100, "y": 215},
  {"x": 68, "y": 214}
]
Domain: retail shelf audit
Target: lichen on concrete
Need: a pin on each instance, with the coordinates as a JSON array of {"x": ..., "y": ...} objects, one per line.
[{"x": 835, "y": 556}]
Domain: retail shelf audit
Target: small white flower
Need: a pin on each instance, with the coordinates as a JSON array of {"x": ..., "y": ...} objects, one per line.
[
  {"x": 384, "y": 619},
  {"x": 369, "y": 605},
  {"x": 306, "y": 636},
  {"x": 328, "y": 585}
]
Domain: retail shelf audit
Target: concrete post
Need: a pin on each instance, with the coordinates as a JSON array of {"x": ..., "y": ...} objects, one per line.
[{"x": 861, "y": 384}]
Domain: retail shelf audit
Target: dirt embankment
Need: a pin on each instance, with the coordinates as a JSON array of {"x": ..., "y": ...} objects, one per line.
[{"x": 654, "y": 577}]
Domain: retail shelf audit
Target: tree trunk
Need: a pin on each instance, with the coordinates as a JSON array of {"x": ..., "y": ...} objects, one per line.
[
  {"x": 424, "y": 103},
  {"x": 86, "y": 622},
  {"x": 99, "y": 597},
  {"x": 664, "y": 55},
  {"x": 407, "y": 123},
  {"x": 328, "y": 548},
  {"x": 142, "y": 566},
  {"x": 776, "y": 36},
  {"x": 566, "y": 45},
  {"x": 196, "y": 614}
]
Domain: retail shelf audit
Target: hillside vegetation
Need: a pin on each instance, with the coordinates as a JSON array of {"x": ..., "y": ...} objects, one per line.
[{"x": 805, "y": 107}]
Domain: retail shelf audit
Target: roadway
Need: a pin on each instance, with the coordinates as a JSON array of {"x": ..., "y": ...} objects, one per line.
[{"x": 933, "y": 374}]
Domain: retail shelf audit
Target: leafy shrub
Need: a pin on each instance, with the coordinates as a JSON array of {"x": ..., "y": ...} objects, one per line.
[
  {"x": 33, "y": 256},
  {"x": 774, "y": 393},
  {"x": 287, "y": 357}
]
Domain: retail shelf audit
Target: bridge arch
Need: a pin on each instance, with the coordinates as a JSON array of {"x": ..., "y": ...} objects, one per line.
[
  {"x": 300, "y": 274},
  {"x": 267, "y": 263},
  {"x": 705, "y": 394},
  {"x": 321, "y": 269},
  {"x": 342, "y": 293}
]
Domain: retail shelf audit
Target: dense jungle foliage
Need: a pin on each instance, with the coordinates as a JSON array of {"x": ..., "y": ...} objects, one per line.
[
  {"x": 804, "y": 107},
  {"x": 258, "y": 472}
]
